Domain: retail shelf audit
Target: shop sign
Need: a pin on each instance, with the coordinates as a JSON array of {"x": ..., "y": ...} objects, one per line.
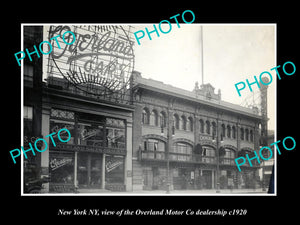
[
  {"x": 113, "y": 163},
  {"x": 86, "y": 148},
  {"x": 99, "y": 62},
  {"x": 57, "y": 163}
]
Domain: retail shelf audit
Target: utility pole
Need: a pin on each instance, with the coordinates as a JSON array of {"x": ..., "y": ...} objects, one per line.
[
  {"x": 218, "y": 140},
  {"x": 202, "y": 69}
]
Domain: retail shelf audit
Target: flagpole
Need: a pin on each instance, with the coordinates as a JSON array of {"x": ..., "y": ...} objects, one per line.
[{"x": 202, "y": 74}]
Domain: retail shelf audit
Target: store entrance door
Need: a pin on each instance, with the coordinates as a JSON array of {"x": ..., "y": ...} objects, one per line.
[
  {"x": 207, "y": 179},
  {"x": 89, "y": 170}
]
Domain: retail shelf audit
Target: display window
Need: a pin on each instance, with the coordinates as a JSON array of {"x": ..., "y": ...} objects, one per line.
[
  {"x": 61, "y": 166},
  {"x": 56, "y": 125},
  {"x": 114, "y": 169},
  {"x": 91, "y": 134}
]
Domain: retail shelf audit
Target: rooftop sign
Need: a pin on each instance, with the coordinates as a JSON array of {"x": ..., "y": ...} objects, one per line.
[{"x": 99, "y": 61}]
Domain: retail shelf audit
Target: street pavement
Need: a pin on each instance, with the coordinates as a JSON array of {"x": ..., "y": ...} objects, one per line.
[{"x": 258, "y": 191}]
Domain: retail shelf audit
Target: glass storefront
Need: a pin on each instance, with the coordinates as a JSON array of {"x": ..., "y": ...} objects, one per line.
[
  {"x": 61, "y": 167},
  {"x": 89, "y": 167},
  {"x": 95, "y": 136},
  {"x": 114, "y": 169}
]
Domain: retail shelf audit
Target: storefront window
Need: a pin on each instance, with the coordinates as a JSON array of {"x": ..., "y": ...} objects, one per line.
[
  {"x": 61, "y": 167},
  {"x": 56, "y": 125},
  {"x": 115, "y": 138},
  {"x": 114, "y": 169},
  {"x": 91, "y": 134}
]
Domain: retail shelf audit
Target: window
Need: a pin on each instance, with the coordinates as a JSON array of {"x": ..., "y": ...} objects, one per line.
[
  {"x": 184, "y": 151},
  {"x": 27, "y": 115},
  {"x": 183, "y": 123},
  {"x": 247, "y": 135},
  {"x": 115, "y": 133},
  {"x": 201, "y": 126},
  {"x": 223, "y": 130},
  {"x": 61, "y": 166},
  {"x": 207, "y": 127},
  {"x": 115, "y": 137},
  {"x": 114, "y": 169},
  {"x": 242, "y": 133},
  {"x": 27, "y": 112},
  {"x": 156, "y": 148},
  {"x": 190, "y": 124},
  {"x": 233, "y": 132},
  {"x": 154, "y": 118},
  {"x": 214, "y": 129},
  {"x": 228, "y": 131},
  {"x": 228, "y": 157},
  {"x": 145, "y": 116},
  {"x": 28, "y": 72},
  {"x": 163, "y": 121},
  {"x": 208, "y": 154},
  {"x": 176, "y": 121},
  {"x": 251, "y": 135},
  {"x": 56, "y": 125}
]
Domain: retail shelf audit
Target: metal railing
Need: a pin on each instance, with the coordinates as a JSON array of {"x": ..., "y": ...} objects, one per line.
[
  {"x": 173, "y": 156},
  {"x": 181, "y": 157}
]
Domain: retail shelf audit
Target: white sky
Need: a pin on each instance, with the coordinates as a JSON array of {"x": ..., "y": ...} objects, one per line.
[{"x": 231, "y": 53}]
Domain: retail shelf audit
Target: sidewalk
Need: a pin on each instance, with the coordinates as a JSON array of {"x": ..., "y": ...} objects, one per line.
[{"x": 175, "y": 192}]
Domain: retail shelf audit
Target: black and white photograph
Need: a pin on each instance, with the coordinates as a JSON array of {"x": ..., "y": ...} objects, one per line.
[{"x": 150, "y": 116}]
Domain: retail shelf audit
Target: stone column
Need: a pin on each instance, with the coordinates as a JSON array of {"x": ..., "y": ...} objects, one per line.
[
  {"x": 45, "y": 155},
  {"x": 128, "y": 159}
]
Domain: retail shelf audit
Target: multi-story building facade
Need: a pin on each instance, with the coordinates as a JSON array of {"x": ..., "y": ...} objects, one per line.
[
  {"x": 148, "y": 136},
  {"x": 99, "y": 118},
  {"x": 180, "y": 131}
]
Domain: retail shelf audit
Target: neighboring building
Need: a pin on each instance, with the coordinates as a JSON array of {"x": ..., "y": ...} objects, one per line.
[
  {"x": 267, "y": 166},
  {"x": 32, "y": 100},
  {"x": 192, "y": 124},
  {"x": 99, "y": 153}
]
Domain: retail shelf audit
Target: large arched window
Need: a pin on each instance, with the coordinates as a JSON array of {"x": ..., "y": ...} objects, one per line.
[
  {"x": 154, "y": 149},
  {"x": 207, "y": 127},
  {"x": 176, "y": 121},
  {"x": 145, "y": 116},
  {"x": 181, "y": 151},
  {"x": 201, "y": 126},
  {"x": 154, "y": 118},
  {"x": 163, "y": 119},
  {"x": 228, "y": 157}
]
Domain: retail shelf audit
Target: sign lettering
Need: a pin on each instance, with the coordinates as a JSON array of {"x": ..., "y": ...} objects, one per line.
[{"x": 100, "y": 60}]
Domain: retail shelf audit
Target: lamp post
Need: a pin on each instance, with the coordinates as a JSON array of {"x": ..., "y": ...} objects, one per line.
[
  {"x": 218, "y": 143},
  {"x": 168, "y": 150}
]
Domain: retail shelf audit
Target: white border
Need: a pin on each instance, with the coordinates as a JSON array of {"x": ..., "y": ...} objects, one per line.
[{"x": 149, "y": 194}]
